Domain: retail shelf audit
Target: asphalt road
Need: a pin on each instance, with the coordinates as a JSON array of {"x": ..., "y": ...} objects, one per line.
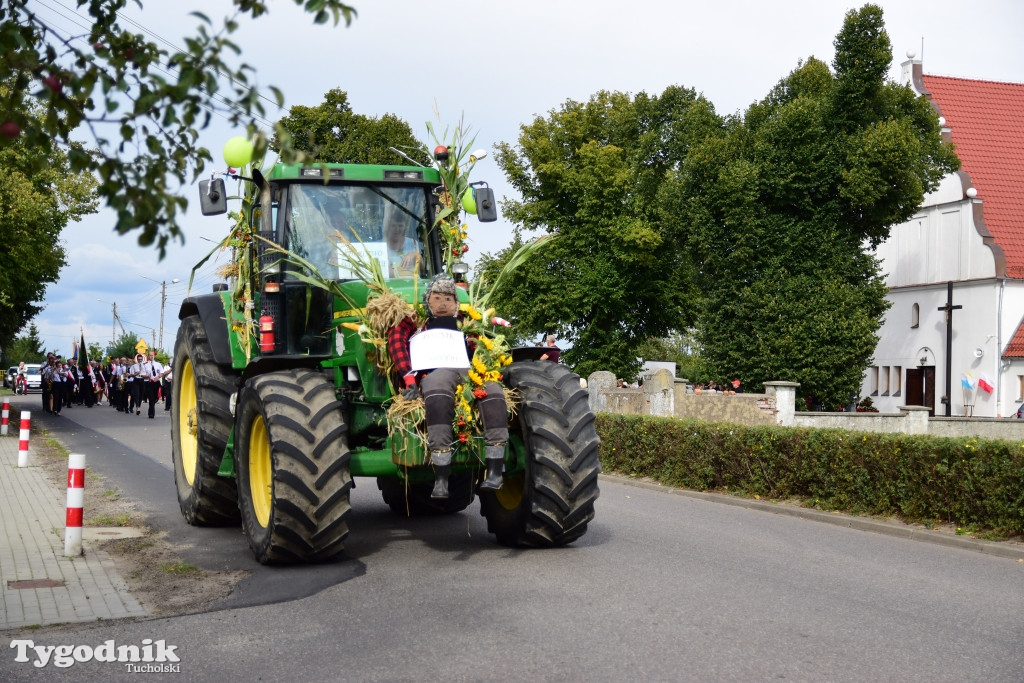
[{"x": 662, "y": 587}]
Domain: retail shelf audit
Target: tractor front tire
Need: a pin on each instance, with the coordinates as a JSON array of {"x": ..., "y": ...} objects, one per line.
[
  {"x": 292, "y": 460},
  {"x": 552, "y": 501},
  {"x": 200, "y": 427}
]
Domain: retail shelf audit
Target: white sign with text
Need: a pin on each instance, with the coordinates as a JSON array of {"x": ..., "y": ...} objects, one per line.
[
  {"x": 374, "y": 250},
  {"x": 432, "y": 349}
]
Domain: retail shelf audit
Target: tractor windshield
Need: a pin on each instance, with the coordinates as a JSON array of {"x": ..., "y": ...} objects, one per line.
[{"x": 337, "y": 226}]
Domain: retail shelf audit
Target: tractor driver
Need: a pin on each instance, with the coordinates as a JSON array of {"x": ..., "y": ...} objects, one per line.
[
  {"x": 402, "y": 249},
  {"x": 438, "y": 387}
]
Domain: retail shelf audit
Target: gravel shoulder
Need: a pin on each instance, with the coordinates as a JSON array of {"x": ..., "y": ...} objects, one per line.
[{"x": 150, "y": 564}]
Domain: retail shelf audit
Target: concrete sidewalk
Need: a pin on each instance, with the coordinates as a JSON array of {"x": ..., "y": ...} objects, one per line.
[{"x": 39, "y": 584}]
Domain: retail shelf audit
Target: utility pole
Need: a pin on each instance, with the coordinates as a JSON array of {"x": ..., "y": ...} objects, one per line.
[{"x": 163, "y": 303}]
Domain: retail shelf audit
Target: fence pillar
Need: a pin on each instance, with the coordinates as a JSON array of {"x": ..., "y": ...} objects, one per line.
[
  {"x": 917, "y": 419},
  {"x": 659, "y": 388},
  {"x": 785, "y": 400},
  {"x": 597, "y": 384}
]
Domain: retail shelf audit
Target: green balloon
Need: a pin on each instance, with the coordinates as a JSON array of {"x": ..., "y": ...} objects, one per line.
[
  {"x": 238, "y": 151},
  {"x": 469, "y": 200}
]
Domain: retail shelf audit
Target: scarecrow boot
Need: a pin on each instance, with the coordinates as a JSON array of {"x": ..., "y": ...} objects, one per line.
[
  {"x": 442, "y": 462},
  {"x": 495, "y": 461}
]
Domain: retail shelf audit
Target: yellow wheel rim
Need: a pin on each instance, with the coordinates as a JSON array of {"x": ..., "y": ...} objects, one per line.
[
  {"x": 510, "y": 495},
  {"x": 187, "y": 422},
  {"x": 260, "y": 481}
]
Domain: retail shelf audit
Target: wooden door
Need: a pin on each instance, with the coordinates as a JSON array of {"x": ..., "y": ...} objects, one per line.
[{"x": 920, "y": 386}]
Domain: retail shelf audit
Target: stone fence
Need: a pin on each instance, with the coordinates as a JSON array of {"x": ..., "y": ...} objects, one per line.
[{"x": 665, "y": 396}]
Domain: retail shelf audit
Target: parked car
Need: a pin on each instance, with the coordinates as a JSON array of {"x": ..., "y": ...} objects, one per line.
[
  {"x": 35, "y": 380},
  {"x": 9, "y": 377}
]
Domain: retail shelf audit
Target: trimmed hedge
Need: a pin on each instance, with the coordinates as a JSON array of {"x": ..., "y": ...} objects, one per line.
[{"x": 975, "y": 483}]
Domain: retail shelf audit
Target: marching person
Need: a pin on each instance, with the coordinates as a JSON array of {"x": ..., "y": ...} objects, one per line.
[
  {"x": 100, "y": 386},
  {"x": 135, "y": 384},
  {"x": 121, "y": 382},
  {"x": 86, "y": 384},
  {"x": 46, "y": 376},
  {"x": 167, "y": 379},
  {"x": 151, "y": 374},
  {"x": 438, "y": 387},
  {"x": 59, "y": 390},
  {"x": 69, "y": 384}
]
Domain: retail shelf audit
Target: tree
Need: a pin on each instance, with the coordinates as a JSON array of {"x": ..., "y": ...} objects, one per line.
[
  {"x": 676, "y": 348},
  {"x": 39, "y": 196},
  {"x": 141, "y": 105},
  {"x": 781, "y": 208},
  {"x": 124, "y": 347},
  {"x": 27, "y": 348},
  {"x": 590, "y": 173},
  {"x": 332, "y": 133}
]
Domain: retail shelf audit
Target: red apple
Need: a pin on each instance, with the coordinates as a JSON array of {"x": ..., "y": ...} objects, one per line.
[
  {"x": 53, "y": 83},
  {"x": 10, "y": 129}
]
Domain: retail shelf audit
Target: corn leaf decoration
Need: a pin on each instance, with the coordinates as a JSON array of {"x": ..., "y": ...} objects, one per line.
[
  {"x": 240, "y": 268},
  {"x": 454, "y": 171}
]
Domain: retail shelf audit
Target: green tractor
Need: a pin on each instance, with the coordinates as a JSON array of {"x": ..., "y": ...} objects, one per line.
[{"x": 278, "y": 403}]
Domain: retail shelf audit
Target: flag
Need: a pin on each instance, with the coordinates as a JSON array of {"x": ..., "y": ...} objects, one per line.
[
  {"x": 983, "y": 383},
  {"x": 967, "y": 380},
  {"x": 83, "y": 356}
]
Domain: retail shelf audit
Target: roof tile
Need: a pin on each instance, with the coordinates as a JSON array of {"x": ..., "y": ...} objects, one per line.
[{"x": 987, "y": 122}]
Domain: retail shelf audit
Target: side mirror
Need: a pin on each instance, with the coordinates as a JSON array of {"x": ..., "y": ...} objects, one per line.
[
  {"x": 486, "y": 209},
  {"x": 213, "y": 200}
]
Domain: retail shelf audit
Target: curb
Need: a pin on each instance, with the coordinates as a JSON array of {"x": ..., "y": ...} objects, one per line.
[{"x": 1007, "y": 549}]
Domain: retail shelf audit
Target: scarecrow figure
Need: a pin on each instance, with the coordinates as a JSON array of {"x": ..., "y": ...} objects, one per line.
[{"x": 435, "y": 360}]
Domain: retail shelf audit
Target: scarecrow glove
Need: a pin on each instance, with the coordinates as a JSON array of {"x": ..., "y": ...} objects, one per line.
[{"x": 412, "y": 392}]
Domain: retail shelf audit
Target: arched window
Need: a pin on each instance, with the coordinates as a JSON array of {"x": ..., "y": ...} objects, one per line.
[{"x": 915, "y": 316}]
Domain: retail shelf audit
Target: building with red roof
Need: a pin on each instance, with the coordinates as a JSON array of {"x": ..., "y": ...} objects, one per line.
[{"x": 968, "y": 239}]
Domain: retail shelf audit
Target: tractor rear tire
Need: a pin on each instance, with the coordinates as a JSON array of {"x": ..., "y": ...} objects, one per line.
[
  {"x": 200, "y": 427},
  {"x": 413, "y": 500},
  {"x": 292, "y": 460},
  {"x": 552, "y": 502}
]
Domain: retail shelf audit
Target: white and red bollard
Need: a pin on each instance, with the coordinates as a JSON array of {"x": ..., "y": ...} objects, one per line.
[
  {"x": 23, "y": 439},
  {"x": 5, "y": 420},
  {"x": 76, "y": 499}
]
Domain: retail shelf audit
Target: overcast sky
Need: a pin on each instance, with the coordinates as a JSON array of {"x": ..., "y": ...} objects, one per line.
[{"x": 500, "y": 64}]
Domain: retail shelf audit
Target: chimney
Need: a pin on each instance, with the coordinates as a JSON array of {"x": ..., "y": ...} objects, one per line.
[{"x": 911, "y": 73}]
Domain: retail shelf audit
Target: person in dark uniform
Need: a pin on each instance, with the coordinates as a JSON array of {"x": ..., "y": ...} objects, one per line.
[
  {"x": 135, "y": 384},
  {"x": 151, "y": 372},
  {"x": 46, "y": 383}
]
